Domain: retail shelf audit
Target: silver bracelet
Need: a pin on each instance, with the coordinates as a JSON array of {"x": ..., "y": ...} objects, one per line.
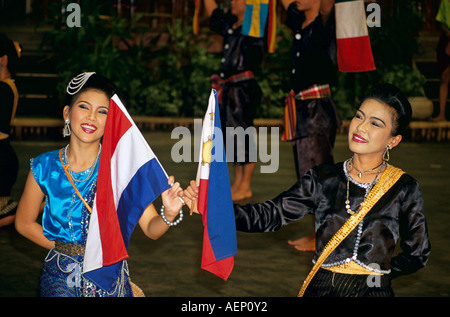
[{"x": 171, "y": 223}]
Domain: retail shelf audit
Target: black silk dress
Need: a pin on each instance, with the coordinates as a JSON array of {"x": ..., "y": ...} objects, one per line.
[{"x": 398, "y": 215}]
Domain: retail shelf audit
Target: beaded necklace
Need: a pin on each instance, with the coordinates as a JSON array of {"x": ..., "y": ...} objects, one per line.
[
  {"x": 90, "y": 169},
  {"x": 347, "y": 201}
]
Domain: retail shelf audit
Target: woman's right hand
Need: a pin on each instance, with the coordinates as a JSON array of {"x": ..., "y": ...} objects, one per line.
[{"x": 190, "y": 196}]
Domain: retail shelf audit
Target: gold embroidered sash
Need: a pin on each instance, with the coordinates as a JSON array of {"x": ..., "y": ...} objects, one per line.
[{"x": 390, "y": 176}]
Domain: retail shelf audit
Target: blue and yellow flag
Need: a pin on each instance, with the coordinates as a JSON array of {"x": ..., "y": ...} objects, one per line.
[
  {"x": 255, "y": 18},
  {"x": 257, "y": 14}
]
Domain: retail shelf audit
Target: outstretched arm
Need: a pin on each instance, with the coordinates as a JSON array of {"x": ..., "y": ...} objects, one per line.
[
  {"x": 151, "y": 222},
  {"x": 271, "y": 215}
]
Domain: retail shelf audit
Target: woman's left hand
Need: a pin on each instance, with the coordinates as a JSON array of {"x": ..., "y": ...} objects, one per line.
[{"x": 171, "y": 200}]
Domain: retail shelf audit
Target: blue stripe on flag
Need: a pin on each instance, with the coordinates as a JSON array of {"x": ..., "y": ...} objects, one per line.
[
  {"x": 220, "y": 215},
  {"x": 106, "y": 276},
  {"x": 146, "y": 185},
  {"x": 263, "y": 14},
  {"x": 247, "y": 23}
]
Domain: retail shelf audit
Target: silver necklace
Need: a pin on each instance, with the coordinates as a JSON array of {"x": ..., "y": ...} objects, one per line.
[
  {"x": 362, "y": 172},
  {"x": 347, "y": 202},
  {"x": 91, "y": 169}
]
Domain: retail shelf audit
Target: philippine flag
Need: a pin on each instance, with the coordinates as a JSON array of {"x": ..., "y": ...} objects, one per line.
[
  {"x": 130, "y": 177},
  {"x": 214, "y": 198}
]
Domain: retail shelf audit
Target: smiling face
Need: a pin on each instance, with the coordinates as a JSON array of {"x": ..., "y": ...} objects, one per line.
[
  {"x": 88, "y": 115},
  {"x": 370, "y": 131}
]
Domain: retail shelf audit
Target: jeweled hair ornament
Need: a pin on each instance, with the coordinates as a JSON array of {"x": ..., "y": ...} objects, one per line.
[{"x": 78, "y": 82}]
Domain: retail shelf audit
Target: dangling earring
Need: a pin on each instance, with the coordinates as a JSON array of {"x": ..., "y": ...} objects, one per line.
[
  {"x": 386, "y": 153},
  {"x": 66, "y": 130}
]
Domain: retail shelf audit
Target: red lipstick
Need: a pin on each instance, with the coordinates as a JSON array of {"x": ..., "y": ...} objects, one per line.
[
  {"x": 88, "y": 128},
  {"x": 358, "y": 139}
]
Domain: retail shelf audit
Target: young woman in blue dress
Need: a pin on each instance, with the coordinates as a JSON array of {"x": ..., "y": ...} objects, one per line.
[{"x": 65, "y": 219}]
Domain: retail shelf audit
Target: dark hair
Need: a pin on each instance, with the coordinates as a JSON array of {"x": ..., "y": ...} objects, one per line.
[
  {"x": 396, "y": 100},
  {"x": 95, "y": 81},
  {"x": 8, "y": 48}
]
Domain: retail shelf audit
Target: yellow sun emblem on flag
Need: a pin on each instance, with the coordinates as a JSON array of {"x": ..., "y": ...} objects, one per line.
[{"x": 206, "y": 151}]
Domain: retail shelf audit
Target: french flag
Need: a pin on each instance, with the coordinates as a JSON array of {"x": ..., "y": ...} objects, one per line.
[
  {"x": 130, "y": 177},
  {"x": 214, "y": 198}
]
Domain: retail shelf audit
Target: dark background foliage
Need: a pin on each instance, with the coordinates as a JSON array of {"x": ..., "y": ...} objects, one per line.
[{"x": 167, "y": 74}]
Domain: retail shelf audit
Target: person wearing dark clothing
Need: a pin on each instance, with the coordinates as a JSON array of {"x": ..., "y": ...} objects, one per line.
[
  {"x": 239, "y": 94},
  {"x": 313, "y": 73},
  {"x": 9, "y": 164}
]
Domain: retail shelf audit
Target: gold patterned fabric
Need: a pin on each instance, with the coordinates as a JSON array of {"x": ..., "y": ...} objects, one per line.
[
  {"x": 69, "y": 248},
  {"x": 351, "y": 268}
]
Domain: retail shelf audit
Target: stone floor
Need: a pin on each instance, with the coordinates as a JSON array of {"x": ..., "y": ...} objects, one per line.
[{"x": 265, "y": 266}]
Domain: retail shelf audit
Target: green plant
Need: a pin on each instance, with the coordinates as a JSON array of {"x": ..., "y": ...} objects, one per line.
[
  {"x": 95, "y": 47},
  {"x": 410, "y": 82},
  {"x": 182, "y": 71}
]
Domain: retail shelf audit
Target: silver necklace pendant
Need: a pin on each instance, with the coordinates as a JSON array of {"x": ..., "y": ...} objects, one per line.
[{"x": 362, "y": 172}]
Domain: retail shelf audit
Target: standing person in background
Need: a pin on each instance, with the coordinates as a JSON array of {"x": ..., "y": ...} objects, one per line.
[
  {"x": 238, "y": 91},
  {"x": 443, "y": 57},
  {"x": 312, "y": 75},
  {"x": 9, "y": 163}
]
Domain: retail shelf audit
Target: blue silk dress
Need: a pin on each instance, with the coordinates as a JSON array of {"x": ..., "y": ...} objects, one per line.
[{"x": 66, "y": 219}]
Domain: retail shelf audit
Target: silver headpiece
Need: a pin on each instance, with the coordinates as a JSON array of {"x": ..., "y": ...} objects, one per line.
[{"x": 78, "y": 82}]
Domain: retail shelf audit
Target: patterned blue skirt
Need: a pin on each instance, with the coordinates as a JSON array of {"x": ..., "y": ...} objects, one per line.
[{"x": 62, "y": 277}]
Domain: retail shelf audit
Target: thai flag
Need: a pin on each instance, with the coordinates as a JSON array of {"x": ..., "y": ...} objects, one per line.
[
  {"x": 214, "y": 199},
  {"x": 130, "y": 177}
]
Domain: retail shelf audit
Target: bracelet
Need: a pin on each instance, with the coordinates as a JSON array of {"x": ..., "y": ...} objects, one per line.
[{"x": 171, "y": 223}]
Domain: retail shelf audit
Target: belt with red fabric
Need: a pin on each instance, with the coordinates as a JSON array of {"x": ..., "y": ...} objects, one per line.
[
  {"x": 290, "y": 113},
  {"x": 218, "y": 83},
  {"x": 314, "y": 92}
]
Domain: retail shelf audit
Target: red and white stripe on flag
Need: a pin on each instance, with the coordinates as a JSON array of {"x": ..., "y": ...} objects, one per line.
[
  {"x": 130, "y": 177},
  {"x": 354, "y": 52}
]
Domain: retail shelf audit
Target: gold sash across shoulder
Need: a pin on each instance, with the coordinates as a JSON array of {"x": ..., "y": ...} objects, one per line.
[{"x": 389, "y": 177}]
